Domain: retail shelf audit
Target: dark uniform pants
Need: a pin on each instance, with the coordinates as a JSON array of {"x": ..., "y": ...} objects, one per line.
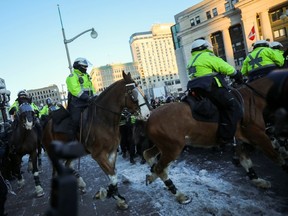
[{"x": 229, "y": 111}]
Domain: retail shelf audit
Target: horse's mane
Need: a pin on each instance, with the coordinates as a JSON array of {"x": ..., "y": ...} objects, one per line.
[{"x": 104, "y": 93}]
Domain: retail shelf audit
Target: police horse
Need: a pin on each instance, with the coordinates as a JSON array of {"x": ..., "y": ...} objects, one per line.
[
  {"x": 171, "y": 126},
  {"x": 24, "y": 140},
  {"x": 99, "y": 129}
]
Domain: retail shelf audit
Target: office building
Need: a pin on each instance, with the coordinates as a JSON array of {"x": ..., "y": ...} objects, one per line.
[
  {"x": 104, "y": 76},
  {"x": 154, "y": 53},
  {"x": 232, "y": 26},
  {"x": 40, "y": 95}
]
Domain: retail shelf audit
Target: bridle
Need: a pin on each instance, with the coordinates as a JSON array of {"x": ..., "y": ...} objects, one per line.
[
  {"x": 24, "y": 109},
  {"x": 131, "y": 91}
]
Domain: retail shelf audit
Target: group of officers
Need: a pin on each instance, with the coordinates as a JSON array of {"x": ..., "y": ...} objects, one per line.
[{"x": 207, "y": 74}]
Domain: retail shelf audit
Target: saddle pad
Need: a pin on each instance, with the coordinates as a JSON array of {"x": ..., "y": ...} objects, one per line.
[
  {"x": 202, "y": 110},
  {"x": 61, "y": 121}
]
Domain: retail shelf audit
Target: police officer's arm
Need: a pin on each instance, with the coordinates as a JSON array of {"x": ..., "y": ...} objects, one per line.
[
  {"x": 244, "y": 69},
  {"x": 221, "y": 66},
  {"x": 13, "y": 109},
  {"x": 277, "y": 57},
  {"x": 73, "y": 85}
]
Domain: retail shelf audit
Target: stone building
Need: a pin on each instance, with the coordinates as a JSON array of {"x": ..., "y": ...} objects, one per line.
[{"x": 229, "y": 26}]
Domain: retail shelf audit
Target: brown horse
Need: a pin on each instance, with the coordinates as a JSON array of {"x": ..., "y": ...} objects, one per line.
[
  {"x": 100, "y": 129},
  {"x": 170, "y": 127},
  {"x": 24, "y": 140}
]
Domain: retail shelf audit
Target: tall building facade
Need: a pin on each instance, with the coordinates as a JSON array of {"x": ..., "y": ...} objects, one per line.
[
  {"x": 229, "y": 26},
  {"x": 104, "y": 76},
  {"x": 154, "y": 53},
  {"x": 40, "y": 95}
]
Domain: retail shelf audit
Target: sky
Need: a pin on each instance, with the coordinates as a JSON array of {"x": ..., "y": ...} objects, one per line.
[{"x": 32, "y": 49}]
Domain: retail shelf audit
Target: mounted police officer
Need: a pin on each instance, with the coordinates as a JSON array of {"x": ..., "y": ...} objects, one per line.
[
  {"x": 80, "y": 91},
  {"x": 49, "y": 107},
  {"x": 24, "y": 97},
  {"x": 261, "y": 61},
  {"x": 278, "y": 47},
  {"x": 206, "y": 72}
]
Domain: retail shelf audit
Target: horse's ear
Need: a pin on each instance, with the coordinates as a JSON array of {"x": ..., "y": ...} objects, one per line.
[{"x": 125, "y": 76}]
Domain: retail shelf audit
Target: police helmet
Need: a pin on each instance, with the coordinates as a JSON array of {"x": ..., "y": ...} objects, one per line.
[
  {"x": 23, "y": 94},
  {"x": 49, "y": 101},
  {"x": 261, "y": 43},
  {"x": 276, "y": 45},
  {"x": 80, "y": 62},
  {"x": 200, "y": 44}
]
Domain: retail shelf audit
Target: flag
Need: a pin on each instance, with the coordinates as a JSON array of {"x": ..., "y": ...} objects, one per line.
[{"x": 252, "y": 34}]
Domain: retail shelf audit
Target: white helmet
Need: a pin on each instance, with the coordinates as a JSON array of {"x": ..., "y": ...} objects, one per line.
[
  {"x": 276, "y": 45},
  {"x": 200, "y": 44},
  {"x": 81, "y": 61},
  {"x": 261, "y": 43}
]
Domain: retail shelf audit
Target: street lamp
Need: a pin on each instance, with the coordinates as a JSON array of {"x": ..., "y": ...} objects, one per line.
[{"x": 93, "y": 34}]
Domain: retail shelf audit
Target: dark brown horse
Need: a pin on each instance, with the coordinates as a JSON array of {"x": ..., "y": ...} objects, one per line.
[
  {"x": 171, "y": 126},
  {"x": 100, "y": 129},
  {"x": 24, "y": 140}
]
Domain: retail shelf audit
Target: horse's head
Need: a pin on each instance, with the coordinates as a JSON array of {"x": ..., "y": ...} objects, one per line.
[
  {"x": 135, "y": 100},
  {"x": 26, "y": 116}
]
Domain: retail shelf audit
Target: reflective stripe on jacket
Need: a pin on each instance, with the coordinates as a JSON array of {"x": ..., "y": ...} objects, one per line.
[
  {"x": 207, "y": 64},
  {"x": 261, "y": 57},
  {"x": 78, "y": 83}
]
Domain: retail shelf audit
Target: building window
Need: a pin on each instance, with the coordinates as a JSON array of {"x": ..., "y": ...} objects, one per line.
[
  {"x": 215, "y": 13},
  {"x": 208, "y": 15},
  {"x": 227, "y": 6},
  {"x": 192, "y": 22},
  {"x": 197, "y": 19},
  {"x": 276, "y": 15},
  {"x": 280, "y": 33}
]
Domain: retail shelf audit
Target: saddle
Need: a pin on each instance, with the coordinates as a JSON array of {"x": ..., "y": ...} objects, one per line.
[{"x": 203, "y": 109}]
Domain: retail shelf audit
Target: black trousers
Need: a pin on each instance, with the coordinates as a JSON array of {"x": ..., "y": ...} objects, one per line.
[
  {"x": 75, "y": 116},
  {"x": 229, "y": 110}
]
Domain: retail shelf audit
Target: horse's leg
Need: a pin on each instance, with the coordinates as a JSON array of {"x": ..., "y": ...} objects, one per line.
[
  {"x": 81, "y": 183},
  {"x": 17, "y": 160},
  {"x": 151, "y": 154},
  {"x": 38, "y": 188},
  {"x": 263, "y": 142},
  {"x": 160, "y": 169},
  {"x": 39, "y": 157},
  {"x": 108, "y": 166}
]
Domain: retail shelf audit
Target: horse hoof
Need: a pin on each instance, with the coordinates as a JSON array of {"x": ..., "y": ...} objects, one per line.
[
  {"x": 82, "y": 190},
  {"x": 183, "y": 199},
  {"x": 122, "y": 204},
  {"x": 21, "y": 183},
  {"x": 148, "y": 180},
  {"x": 39, "y": 191},
  {"x": 261, "y": 183},
  {"x": 101, "y": 194}
]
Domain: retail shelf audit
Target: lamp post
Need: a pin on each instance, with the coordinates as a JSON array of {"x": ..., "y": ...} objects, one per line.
[{"x": 93, "y": 34}]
